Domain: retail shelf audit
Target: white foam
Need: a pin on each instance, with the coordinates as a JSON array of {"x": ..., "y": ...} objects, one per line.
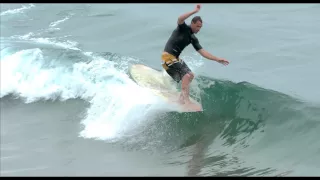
[
  {"x": 118, "y": 105},
  {"x": 51, "y": 41},
  {"x": 18, "y": 10},
  {"x": 115, "y": 112},
  {"x": 55, "y": 23},
  {"x": 22, "y": 73}
]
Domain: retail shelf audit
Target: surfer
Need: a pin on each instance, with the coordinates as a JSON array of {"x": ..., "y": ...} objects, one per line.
[{"x": 180, "y": 38}]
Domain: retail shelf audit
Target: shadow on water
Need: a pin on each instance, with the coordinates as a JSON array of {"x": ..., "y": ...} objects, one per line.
[{"x": 228, "y": 115}]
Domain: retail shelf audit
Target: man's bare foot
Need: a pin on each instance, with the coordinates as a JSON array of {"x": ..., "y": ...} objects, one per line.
[
  {"x": 181, "y": 99},
  {"x": 187, "y": 101},
  {"x": 192, "y": 107}
]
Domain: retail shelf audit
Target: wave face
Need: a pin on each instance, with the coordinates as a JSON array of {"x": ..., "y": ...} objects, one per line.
[
  {"x": 241, "y": 123},
  {"x": 244, "y": 130}
]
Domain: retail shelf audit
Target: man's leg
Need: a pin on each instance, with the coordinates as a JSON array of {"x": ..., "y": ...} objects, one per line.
[{"x": 185, "y": 88}]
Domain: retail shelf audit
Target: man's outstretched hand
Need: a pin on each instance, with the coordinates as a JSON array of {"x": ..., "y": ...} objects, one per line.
[{"x": 223, "y": 61}]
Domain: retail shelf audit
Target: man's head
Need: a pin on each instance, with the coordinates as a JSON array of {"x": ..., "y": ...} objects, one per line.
[{"x": 196, "y": 24}]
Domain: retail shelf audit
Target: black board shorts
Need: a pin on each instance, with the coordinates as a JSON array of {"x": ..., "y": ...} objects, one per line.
[{"x": 178, "y": 70}]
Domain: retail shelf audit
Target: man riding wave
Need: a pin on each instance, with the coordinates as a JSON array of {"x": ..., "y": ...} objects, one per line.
[{"x": 180, "y": 38}]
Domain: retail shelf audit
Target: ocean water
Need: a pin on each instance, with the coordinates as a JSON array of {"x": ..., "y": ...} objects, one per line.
[{"x": 70, "y": 108}]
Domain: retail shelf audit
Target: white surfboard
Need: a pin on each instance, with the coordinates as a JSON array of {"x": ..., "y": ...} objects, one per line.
[{"x": 160, "y": 85}]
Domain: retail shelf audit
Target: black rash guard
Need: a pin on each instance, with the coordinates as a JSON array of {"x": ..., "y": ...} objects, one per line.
[{"x": 180, "y": 38}]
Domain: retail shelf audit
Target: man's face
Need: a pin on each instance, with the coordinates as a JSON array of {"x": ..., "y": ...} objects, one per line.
[{"x": 196, "y": 26}]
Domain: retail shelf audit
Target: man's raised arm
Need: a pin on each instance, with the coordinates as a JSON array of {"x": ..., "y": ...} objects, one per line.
[{"x": 185, "y": 16}]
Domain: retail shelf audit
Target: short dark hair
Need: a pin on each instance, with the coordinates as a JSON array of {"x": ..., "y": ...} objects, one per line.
[{"x": 196, "y": 19}]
